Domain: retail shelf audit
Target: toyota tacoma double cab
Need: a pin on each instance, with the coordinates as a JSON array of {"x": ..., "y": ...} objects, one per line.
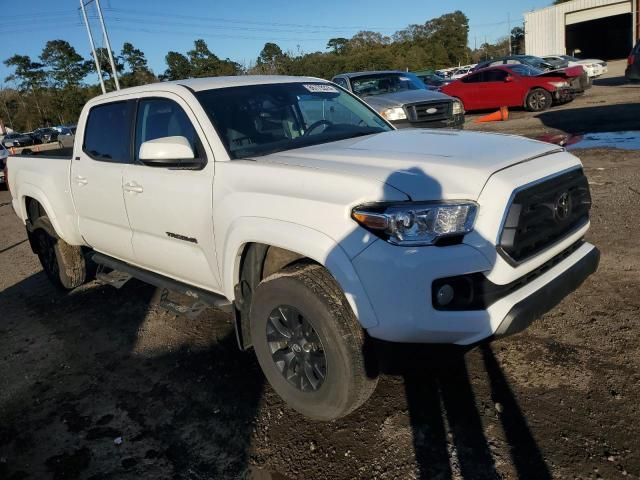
[{"x": 297, "y": 206}]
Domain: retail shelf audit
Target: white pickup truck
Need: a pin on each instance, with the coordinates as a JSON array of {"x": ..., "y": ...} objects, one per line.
[{"x": 319, "y": 223}]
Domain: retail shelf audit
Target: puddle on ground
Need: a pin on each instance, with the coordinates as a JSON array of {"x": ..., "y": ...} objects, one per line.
[{"x": 629, "y": 140}]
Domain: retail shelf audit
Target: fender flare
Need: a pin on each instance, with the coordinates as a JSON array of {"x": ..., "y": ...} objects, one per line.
[
  {"x": 32, "y": 191},
  {"x": 302, "y": 240}
]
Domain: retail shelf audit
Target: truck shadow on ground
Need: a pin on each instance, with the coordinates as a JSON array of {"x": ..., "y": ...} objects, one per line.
[
  {"x": 448, "y": 431},
  {"x": 608, "y": 118},
  {"x": 189, "y": 411}
]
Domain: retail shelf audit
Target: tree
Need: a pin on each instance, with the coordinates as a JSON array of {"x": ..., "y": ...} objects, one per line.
[
  {"x": 28, "y": 75},
  {"x": 30, "y": 78},
  {"x": 178, "y": 67},
  {"x": 133, "y": 58},
  {"x": 65, "y": 67},
  {"x": 338, "y": 45},
  {"x": 204, "y": 63},
  {"x": 65, "y": 70},
  {"x": 271, "y": 60},
  {"x": 138, "y": 71},
  {"x": 105, "y": 66},
  {"x": 517, "y": 40}
]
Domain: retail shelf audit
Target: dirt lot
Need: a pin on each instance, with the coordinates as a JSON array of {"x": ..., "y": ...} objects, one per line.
[{"x": 103, "y": 384}]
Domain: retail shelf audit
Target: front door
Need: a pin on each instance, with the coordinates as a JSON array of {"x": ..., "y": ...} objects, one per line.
[
  {"x": 170, "y": 209},
  {"x": 96, "y": 179}
]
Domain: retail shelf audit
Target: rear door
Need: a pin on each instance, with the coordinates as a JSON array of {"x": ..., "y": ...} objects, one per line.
[
  {"x": 96, "y": 178},
  {"x": 170, "y": 209}
]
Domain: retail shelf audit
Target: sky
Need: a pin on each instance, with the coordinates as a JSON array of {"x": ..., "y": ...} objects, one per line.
[{"x": 237, "y": 29}]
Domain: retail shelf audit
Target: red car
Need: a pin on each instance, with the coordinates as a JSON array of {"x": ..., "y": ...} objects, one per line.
[{"x": 514, "y": 86}]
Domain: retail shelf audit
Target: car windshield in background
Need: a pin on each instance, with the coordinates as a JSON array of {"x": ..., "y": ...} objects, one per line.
[
  {"x": 525, "y": 70},
  {"x": 382, "y": 83},
  {"x": 257, "y": 120},
  {"x": 570, "y": 58}
]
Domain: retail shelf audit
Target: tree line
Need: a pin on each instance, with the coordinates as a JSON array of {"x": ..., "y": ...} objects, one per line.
[{"x": 52, "y": 89}]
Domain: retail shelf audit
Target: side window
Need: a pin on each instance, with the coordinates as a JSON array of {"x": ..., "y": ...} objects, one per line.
[
  {"x": 494, "y": 76},
  {"x": 475, "y": 78},
  {"x": 107, "y": 134},
  {"x": 342, "y": 82},
  {"x": 161, "y": 117}
]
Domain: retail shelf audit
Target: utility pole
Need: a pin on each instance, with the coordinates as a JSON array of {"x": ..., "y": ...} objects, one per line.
[
  {"x": 93, "y": 46},
  {"x": 106, "y": 39}
]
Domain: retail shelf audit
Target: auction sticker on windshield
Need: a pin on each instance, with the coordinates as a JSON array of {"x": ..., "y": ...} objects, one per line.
[{"x": 320, "y": 88}]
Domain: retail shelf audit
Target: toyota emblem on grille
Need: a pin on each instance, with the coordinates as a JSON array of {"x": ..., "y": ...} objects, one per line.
[{"x": 563, "y": 206}]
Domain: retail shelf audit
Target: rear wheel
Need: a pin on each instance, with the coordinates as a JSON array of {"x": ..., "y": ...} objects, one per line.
[
  {"x": 309, "y": 343},
  {"x": 64, "y": 264},
  {"x": 538, "y": 100}
]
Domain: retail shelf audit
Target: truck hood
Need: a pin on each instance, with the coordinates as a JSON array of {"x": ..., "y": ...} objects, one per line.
[
  {"x": 424, "y": 164},
  {"x": 397, "y": 99}
]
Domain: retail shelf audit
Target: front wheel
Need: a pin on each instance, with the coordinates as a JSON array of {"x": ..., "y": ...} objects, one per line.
[
  {"x": 309, "y": 343},
  {"x": 538, "y": 100}
]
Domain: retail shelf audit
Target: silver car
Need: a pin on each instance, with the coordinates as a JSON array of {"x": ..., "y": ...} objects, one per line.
[{"x": 403, "y": 99}]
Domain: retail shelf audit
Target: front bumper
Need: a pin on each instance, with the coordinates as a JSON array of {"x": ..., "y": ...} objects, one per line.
[
  {"x": 540, "y": 302},
  {"x": 456, "y": 121},
  {"x": 563, "y": 95},
  {"x": 398, "y": 283}
]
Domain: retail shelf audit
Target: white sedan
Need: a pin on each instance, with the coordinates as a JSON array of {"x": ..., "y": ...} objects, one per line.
[{"x": 592, "y": 66}]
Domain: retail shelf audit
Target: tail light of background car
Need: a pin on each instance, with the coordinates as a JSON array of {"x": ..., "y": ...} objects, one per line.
[{"x": 631, "y": 59}]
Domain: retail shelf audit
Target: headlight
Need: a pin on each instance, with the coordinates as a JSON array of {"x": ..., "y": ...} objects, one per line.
[
  {"x": 416, "y": 223},
  {"x": 457, "y": 108},
  {"x": 395, "y": 113},
  {"x": 560, "y": 84}
]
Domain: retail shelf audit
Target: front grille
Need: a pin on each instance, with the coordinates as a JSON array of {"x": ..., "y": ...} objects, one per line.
[
  {"x": 543, "y": 214},
  {"x": 424, "y": 112}
]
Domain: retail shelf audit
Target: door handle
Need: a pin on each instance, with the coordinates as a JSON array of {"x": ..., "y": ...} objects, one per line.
[
  {"x": 80, "y": 180},
  {"x": 133, "y": 187}
]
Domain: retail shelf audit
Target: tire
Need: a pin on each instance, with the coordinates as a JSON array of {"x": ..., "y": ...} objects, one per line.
[
  {"x": 337, "y": 336},
  {"x": 538, "y": 100},
  {"x": 64, "y": 264}
]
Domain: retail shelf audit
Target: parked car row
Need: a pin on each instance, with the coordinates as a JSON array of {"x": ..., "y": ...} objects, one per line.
[{"x": 38, "y": 136}]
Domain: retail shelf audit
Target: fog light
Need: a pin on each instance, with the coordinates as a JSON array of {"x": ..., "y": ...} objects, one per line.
[{"x": 445, "y": 295}]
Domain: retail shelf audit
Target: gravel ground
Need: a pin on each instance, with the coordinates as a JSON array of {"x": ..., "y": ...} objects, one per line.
[{"x": 103, "y": 384}]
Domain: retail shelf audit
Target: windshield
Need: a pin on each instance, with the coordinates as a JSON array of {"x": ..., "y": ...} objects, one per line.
[
  {"x": 434, "y": 80},
  {"x": 256, "y": 120},
  {"x": 570, "y": 58},
  {"x": 382, "y": 83},
  {"x": 525, "y": 70}
]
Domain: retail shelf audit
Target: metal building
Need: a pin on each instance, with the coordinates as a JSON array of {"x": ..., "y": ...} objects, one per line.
[{"x": 604, "y": 29}]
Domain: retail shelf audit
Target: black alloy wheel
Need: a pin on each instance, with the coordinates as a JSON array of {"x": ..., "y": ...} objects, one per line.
[{"x": 296, "y": 348}]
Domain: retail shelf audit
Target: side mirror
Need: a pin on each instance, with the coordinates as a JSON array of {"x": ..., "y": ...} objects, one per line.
[
  {"x": 508, "y": 79},
  {"x": 168, "y": 152}
]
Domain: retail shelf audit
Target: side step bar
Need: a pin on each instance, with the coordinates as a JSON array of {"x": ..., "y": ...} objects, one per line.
[{"x": 198, "y": 295}]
